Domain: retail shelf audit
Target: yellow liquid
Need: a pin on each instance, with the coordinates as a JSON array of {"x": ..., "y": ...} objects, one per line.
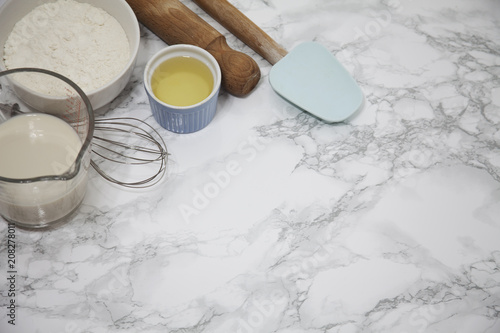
[{"x": 182, "y": 81}]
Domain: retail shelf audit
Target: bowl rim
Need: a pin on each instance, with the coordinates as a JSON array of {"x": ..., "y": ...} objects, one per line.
[{"x": 133, "y": 44}]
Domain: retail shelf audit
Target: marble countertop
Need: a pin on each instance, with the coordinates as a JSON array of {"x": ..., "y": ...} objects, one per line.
[{"x": 270, "y": 220}]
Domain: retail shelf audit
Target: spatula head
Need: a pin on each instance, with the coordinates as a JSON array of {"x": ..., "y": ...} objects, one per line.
[{"x": 311, "y": 78}]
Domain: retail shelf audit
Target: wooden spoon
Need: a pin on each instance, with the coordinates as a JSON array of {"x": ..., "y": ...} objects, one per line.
[{"x": 175, "y": 23}]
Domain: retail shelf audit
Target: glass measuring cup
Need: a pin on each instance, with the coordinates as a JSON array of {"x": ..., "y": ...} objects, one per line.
[{"x": 46, "y": 130}]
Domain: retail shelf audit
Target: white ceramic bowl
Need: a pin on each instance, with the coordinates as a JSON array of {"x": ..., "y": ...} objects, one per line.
[{"x": 14, "y": 10}]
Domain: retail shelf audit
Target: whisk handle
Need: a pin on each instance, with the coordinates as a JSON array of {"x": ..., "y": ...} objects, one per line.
[{"x": 175, "y": 23}]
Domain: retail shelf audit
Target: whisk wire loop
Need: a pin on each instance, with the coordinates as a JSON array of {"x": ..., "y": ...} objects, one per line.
[{"x": 115, "y": 148}]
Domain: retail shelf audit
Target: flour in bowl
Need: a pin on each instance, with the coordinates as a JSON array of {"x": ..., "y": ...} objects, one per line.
[{"x": 77, "y": 40}]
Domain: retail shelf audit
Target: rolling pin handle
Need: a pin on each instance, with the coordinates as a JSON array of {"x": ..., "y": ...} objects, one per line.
[
  {"x": 175, "y": 23},
  {"x": 243, "y": 28},
  {"x": 240, "y": 73}
]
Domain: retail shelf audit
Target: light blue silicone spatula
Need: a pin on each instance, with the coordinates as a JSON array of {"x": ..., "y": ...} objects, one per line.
[{"x": 309, "y": 77}]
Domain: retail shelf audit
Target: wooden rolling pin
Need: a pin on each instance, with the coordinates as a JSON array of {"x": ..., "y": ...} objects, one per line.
[
  {"x": 175, "y": 23},
  {"x": 243, "y": 28}
]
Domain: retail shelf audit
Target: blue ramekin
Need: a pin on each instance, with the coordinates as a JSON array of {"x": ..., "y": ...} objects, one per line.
[{"x": 183, "y": 119}]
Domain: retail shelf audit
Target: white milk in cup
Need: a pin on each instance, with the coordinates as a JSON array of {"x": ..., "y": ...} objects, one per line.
[{"x": 44, "y": 156}]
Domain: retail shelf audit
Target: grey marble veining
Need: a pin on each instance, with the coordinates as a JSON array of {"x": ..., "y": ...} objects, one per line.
[{"x": 270, "y": 220}]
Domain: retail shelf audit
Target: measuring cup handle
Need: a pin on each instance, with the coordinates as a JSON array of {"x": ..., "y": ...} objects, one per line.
[
  {"x": 175, "y": 23},
  {"x": 243, "y": 28}
]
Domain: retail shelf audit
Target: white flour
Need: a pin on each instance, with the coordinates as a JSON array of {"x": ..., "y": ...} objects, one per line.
[{"x": 75, "y": 39}]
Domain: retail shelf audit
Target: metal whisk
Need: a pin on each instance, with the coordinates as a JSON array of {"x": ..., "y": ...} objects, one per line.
[
  {"x": 132, "y": 142},
  {"x": 126, "y": 140},
  {"x": 116, "y": 142}
]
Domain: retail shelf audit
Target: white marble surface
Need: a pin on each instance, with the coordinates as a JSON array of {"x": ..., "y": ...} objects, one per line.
[{"x": 388, "y": 222}]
